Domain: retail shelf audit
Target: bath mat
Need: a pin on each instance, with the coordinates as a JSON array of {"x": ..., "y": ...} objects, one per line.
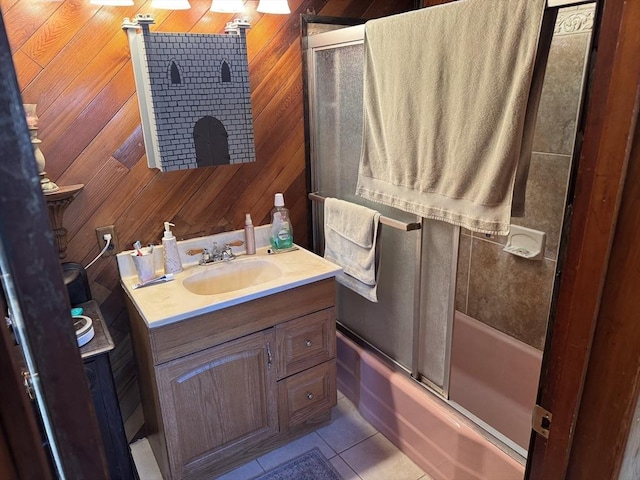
[{"x": 310, "y": 465}]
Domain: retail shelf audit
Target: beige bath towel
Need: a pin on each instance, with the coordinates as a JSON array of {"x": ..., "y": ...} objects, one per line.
[
  {"x": 351, "y": 241},
  {"x": 446, "y": 91}
]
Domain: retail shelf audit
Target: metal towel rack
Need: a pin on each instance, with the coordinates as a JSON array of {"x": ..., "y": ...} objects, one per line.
[{"x": 407, "y": 227}]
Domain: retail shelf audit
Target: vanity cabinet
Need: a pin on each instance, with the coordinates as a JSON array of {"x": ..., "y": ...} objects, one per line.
[{"x": 223, "y": 387}]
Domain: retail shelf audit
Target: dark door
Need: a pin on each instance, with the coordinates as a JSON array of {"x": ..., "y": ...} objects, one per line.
[
  {"x": 31, "y": 277},
  {"x": 589, "y": 377},
  {"x": 212, "y": 146}
]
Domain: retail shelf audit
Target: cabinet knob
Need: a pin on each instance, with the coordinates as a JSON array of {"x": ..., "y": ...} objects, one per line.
[
  {"x": 308, "y": 343},
  {"x": 310, "y": 395}
]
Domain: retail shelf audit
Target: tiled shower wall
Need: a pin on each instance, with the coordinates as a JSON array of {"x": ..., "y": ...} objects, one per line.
[{"x": 510, "y": 293}]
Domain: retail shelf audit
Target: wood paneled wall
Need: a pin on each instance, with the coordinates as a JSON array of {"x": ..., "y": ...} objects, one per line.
[{"x": 72, "y": 59}]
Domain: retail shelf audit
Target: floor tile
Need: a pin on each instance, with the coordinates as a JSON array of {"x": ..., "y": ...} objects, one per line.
[
  {"x": 245, "y": 472},
  {"x": 345, "y": 471},
  {"x": 347, "y": 427},
  {"x": 377, "y": 458},
  {"x": 364, "y": 454},
  {"x": 295, "y": 448},
  {"x": 145, "y": 461}
]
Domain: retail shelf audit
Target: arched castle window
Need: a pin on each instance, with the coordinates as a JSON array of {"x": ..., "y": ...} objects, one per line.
[
  {"x": 225, "y": 72},
  {"x": 175, "y": 76}
]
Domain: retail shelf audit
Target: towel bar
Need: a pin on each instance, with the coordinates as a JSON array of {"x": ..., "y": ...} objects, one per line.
[{"x": 384, "y": 220}]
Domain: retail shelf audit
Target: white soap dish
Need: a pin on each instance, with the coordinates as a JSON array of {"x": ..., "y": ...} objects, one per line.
[{"x": 525, "y": 242}]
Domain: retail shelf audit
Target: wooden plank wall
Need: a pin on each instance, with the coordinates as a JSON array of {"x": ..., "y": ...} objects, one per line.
[{"x": 72, "y": 59}]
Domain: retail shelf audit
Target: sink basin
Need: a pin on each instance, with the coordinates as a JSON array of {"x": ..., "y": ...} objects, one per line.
[{"x": 229, "y": 277}]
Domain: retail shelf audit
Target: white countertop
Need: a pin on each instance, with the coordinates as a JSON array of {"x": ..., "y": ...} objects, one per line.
[{"x": 169, "y": 302}]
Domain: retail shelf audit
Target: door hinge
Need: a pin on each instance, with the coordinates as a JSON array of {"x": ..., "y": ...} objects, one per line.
[{"x": 541, "y": 421}]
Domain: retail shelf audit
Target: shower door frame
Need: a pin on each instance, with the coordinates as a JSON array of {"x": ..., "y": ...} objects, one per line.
[{"x": 348, "y": 36}]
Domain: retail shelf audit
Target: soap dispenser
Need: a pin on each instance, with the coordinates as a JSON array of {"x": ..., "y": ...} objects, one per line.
[{"x": 170, "y": 255}]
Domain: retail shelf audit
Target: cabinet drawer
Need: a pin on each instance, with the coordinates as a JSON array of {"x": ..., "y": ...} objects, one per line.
[
  {"x": 307, "y": 394},
  {"x": 305, "y": 342}
]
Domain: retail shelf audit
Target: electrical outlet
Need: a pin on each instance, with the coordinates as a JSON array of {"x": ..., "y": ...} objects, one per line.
[{"x": 113, "y": 246}]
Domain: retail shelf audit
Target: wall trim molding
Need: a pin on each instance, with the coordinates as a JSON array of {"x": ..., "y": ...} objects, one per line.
[{"x": 573, "y": 21}]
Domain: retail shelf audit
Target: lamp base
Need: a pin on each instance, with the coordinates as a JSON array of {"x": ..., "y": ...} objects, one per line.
[{"x": 47, "y": 185}]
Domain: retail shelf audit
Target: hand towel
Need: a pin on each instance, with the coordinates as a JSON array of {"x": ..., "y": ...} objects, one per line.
[
  {"x": 446, "y": 91},
  {"x": 351, "y": 241}
]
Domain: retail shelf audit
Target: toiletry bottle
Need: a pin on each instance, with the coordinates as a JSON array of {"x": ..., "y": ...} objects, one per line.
[
  {"x": 170, "y": 255},
  {"x": 249, "y": 235},
  {"x": 281, "y": 232}
]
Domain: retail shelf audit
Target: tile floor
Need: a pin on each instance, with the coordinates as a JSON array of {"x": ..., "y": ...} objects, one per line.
[{"x": 355, "y": 449}]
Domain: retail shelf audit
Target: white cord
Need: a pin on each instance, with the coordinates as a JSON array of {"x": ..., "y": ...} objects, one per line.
[{"x": 108, "y": 239}]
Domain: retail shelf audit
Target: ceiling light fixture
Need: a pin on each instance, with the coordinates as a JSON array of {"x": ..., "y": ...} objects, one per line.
[
  {"x": 227, "y": 6},
  {"x": 273, "y": 6}
]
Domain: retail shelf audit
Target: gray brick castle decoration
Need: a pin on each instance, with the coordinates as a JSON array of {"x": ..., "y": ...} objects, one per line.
[{"x": 194, "y": 96}]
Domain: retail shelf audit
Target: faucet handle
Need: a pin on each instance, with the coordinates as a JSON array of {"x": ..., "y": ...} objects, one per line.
[
  {"x": 207, "y": 256},
  {"x": 227, "y": 253}
]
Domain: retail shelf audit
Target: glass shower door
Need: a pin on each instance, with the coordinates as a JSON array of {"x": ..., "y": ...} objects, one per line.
[{"x": 335, "y": 61}]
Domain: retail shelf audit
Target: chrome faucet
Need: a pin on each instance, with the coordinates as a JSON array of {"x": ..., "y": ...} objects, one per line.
[
  {"x": 216, "y": 254},
  {"x": 227, "y": 254}
]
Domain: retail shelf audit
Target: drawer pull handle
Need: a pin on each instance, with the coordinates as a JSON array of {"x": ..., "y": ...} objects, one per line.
[
  {"x": 308, "y": 343},
  {"x": 310, "y": 395}
]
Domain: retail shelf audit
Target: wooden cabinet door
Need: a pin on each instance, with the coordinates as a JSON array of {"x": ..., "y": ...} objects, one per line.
[{"x": 218, "y": 402}]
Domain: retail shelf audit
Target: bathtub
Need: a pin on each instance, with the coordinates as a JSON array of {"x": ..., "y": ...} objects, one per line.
[
  {"x": 494, "y": 377},
  {"x": 444, "y": 443}
]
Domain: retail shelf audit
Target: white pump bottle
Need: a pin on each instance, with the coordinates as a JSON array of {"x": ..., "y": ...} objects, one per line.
[{"x": 170, "y": 254}]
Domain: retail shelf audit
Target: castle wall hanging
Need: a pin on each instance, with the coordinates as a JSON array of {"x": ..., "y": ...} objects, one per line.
[{"x": 194, "y": 96}]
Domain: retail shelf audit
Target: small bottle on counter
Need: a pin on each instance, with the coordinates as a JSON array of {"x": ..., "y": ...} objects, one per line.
[
  {"x": 249, "y": 235},
  {"x": 170, "y": 254},
  {"x": 281, "y": 231}
]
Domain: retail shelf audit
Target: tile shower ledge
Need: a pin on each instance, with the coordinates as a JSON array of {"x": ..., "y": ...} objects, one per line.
[{"x": 170, "y": 302}]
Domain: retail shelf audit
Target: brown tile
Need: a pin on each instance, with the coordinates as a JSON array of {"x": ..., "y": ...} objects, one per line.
[
  {"x": 545, "y": 198},
  {"x": 462, "y": 278},
  {"x": 510, "y": 293},
  {"x": 490, "y": 237},
  {"x": 556, "y": 122}
]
